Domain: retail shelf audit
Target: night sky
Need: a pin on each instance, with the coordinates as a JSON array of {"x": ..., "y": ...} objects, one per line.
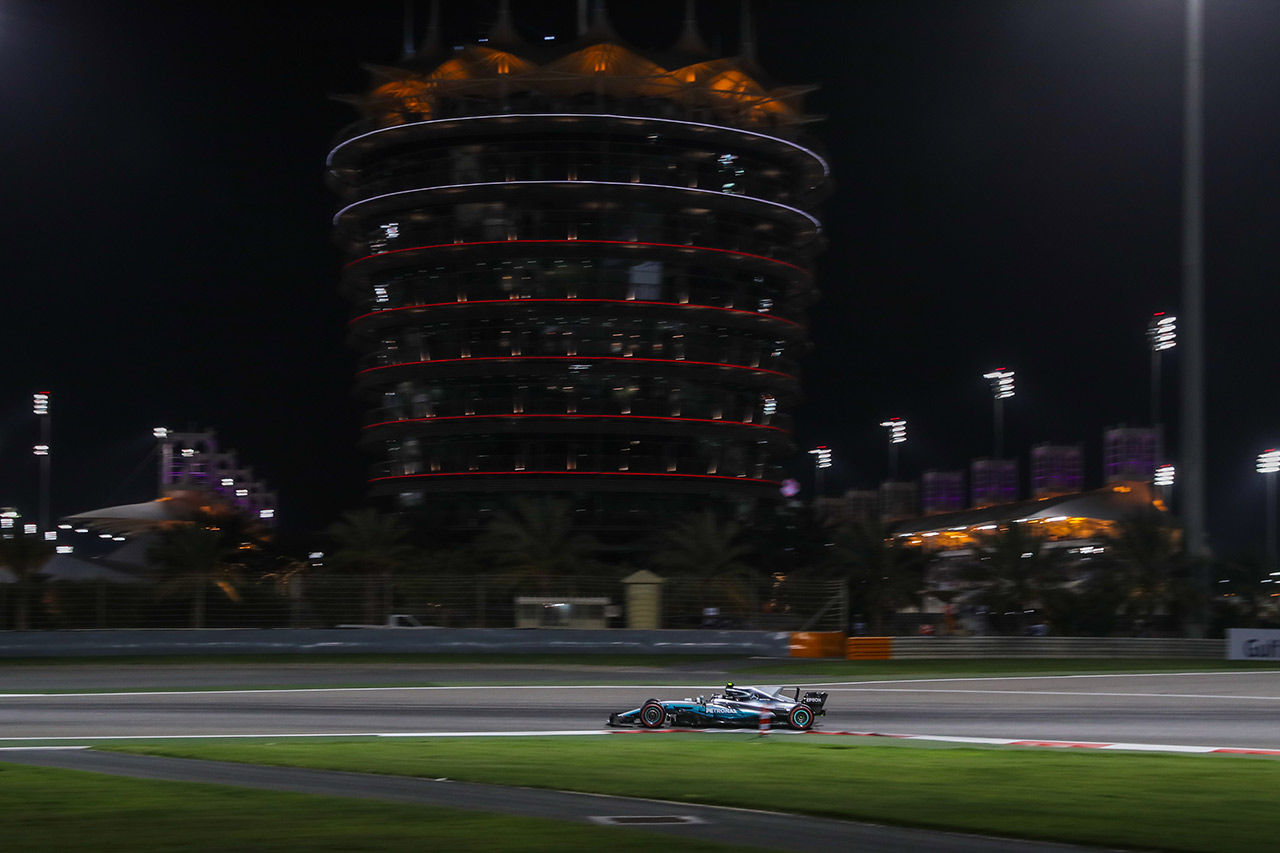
[{"x": 1007, "y": 194}]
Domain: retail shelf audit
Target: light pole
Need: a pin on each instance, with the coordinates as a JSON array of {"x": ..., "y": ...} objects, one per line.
[
  {"x": 1162, "y": 334},
  {"x": 1269, "y": 464},
  {"x": 1001, "y": 388},
  {"x": 165, "y": 465},
  {"x": 821, "y": 459},
  {"x": 1192, "y": 424},
  {"x": 40, "y": 408},
  {"x": 897, "y": 435},
  {"x": 1164, "y": 481}
]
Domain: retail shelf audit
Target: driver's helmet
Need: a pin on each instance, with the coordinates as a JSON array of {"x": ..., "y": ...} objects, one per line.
[{"x": 731, "y": 692}]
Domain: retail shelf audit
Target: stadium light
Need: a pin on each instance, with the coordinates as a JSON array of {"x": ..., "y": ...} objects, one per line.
[
  {"x": 1269, "y": 464},
  {"x": 40, "y": 408},
  {"x": 1001, "y": 380},
  {"x": 821, "y": 460},
  {"x": 897, "y": 435}
]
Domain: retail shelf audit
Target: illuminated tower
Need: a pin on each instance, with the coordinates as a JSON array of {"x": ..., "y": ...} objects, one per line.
[{"x": 578, "y": 272}]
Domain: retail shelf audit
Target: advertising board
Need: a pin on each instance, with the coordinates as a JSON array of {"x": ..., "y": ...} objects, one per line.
[{"x": 1253, "y": 644}]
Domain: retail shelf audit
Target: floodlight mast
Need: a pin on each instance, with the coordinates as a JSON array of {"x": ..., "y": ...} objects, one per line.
[
  {"x": 821, "y": 460},
  {"x": 1001, "y": 381},
  {"x": 40, "y": 408},
  {"x": 1162, "y": 334},
  {"x": 1192, "y": 423},
  {"x": 1164, "y": 477},
  {"x": 1268, "y": 465},
  {"x": 897, "y": 435},
  {"x": 163, "y": 435}
]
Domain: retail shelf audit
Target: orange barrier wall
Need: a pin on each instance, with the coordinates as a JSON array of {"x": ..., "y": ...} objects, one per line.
[
  {"x": 869, "y": 648},
  {"x": 817, "y": 644}
]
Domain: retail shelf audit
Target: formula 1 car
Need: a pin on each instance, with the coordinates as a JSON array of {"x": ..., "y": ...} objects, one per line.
[{"x": 737, "y": 707}]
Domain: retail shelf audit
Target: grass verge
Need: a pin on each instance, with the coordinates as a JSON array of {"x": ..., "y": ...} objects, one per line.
[
  {"x": 1217, "y": 804},
  {"x": 71, "y": 811}
]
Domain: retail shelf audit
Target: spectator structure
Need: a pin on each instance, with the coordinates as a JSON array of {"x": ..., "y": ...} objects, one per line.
[{"x": 577, "y": 271}]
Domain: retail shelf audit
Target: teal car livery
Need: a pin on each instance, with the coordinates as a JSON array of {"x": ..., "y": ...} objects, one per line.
[{"x": 736, "y": 707}]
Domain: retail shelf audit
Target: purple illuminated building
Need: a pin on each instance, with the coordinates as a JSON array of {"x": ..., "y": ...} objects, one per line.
[
  {"x": 1129, "y": 454},
  {"x": 1056, "y": 469},
  {"x": 943, "y": 491},
  {"x": 994, "y": 481},
  {"x": 577, "y": 271},
  {"x": 193, "y": 462}
]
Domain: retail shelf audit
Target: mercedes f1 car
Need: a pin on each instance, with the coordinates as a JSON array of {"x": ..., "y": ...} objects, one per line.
[{"x": 736, "y": 707}]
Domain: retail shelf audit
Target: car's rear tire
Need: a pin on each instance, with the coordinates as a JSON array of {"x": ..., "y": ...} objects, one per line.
[
  {"x": 653, "y": 715},
  {"x": 801, "y": 717}
]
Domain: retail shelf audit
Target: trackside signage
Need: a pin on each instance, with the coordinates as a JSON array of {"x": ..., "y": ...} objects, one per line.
[{"x": 1253, "y": 644}]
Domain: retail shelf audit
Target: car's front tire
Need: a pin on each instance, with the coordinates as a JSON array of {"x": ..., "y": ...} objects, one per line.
[
  {"x": 801, "y": 717},
  {"x": 653, "y": 715}
]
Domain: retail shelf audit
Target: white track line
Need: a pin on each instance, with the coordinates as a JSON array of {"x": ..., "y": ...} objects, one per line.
[
  {"x": 675, "y": 687},
  {"x": 1054, "y": 693},
  {"x": 28, "y": 748},
  {"x": 267, "y": 690}
]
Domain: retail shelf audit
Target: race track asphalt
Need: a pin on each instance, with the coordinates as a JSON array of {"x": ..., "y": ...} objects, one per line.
[
  {"x": 1224, "y": 709},
  {"x": 1227, "y": 709}
]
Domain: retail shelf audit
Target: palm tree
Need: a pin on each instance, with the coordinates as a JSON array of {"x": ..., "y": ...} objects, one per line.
[
  {"x": 714, "y": 556},
  {"x": 702, "y": 545},
  {"x": 882, "y": 575},
  {"x": 1240, "y": 599},
  {"x": 1147, "y": 559},
  {"x": 1015, "y": 569},
  {"x": 192, "y": 558},
  {"x": 288, "y": 576},
  {"x": 24, "y": 555},
  {"x": 373, "y": 545},
  {"x": 535, "y": 540}
]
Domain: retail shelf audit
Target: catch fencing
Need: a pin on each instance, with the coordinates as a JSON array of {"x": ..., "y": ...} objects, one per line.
[
  {"x": 909, "y": 648},
  {"x": 445, "y": 601}
]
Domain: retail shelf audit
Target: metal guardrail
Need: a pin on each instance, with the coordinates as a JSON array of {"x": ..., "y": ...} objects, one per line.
[
  {"x": 513, "y": 641},
  {"x": 926, "y": 648}
]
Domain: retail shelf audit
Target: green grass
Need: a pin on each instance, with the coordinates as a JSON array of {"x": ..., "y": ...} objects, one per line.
[
  {"x": 870, "y": 670},
  {"x": 1220, "y": 804},
  {"x": 70, "y": 811}
]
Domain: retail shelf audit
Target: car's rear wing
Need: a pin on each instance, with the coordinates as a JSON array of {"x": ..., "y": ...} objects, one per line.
[{"x": 816, "y": 700}]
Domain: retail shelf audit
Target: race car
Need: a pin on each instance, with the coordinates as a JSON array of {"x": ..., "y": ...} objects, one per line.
[{"x": 736, "y": 707}]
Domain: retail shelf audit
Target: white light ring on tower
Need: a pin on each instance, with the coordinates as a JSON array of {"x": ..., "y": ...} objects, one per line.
[{"x": 826, "y": 167}]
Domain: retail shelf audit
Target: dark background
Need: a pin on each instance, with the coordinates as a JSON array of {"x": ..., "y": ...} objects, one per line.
[{"x": 1007, "y": 194}]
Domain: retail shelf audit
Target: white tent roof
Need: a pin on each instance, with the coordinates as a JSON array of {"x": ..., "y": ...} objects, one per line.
[{"x": 130, "y": 519}]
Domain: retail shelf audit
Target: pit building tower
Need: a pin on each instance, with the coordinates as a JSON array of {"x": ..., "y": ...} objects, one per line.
[{"x": 577, "y": 271}]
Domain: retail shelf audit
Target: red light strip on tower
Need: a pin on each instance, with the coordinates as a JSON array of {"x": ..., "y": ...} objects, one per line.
[
  {"x": 575, "y": 301},
  {"x": 578, "y": 242},
  {"x": 578, "y": 417},
  {"x": 581, "y": 359}
]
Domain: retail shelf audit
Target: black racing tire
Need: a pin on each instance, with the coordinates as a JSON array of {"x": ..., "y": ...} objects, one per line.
[
  {"x": 801, "y": 717},
  {"x": 653, "y": 715}
]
